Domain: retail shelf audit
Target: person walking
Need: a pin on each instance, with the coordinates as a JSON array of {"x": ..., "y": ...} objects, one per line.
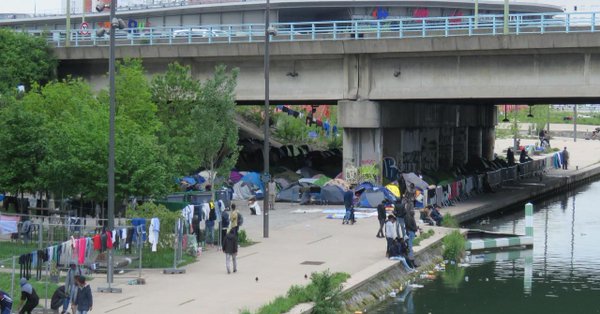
[
  {"x": 381, "y": 217},
  {"x": 84, "y": 300},
  {"x": 390, "y": 234},
  {"x": 29, "y": 297},
  {"x": 272, "y": 193},
  {"x": 6, "y": 303},
  {"x": 411, "y": 230},
  {"x": 230, "y": 247},
  {"x": 565, "y": 159},
  {"x": 224, "y": 225}
]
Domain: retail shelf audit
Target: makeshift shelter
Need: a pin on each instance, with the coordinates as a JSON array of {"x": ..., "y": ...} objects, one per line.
[
  {"x": 394, "y": 189},
  {"x": 291, "y": 193},
  {"x": 235, "y": 176},
  {"x": 339, "y": 183},
  {"x": 332, "y": 195},
  {"x": 242, "y": 191}
]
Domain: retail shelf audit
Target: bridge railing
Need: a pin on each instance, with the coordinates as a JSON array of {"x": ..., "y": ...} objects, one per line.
[{"x": 338, "y": 30}]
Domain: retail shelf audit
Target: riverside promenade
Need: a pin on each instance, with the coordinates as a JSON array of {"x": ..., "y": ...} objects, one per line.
[{"x": 295, "y": 238}]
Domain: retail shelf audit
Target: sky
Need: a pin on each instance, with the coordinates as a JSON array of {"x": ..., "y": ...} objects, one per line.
[{"x": 54, "y": 6}]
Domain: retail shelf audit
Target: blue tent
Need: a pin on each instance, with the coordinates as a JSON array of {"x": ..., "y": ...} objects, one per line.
[
  {"x": 372, "y": 197},
  {"x": 254, "y": 178}
]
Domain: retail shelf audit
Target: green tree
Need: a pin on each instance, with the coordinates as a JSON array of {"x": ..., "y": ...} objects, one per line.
[
  {"x": 175, "y": 94},
  {"x": 23, "y": 141},
  {"x": 25, "y": 60},
  {"x": 216, "y": 134}
]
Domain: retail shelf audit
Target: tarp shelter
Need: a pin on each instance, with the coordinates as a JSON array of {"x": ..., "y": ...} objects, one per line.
[
  {"x": 235, "y": 177},
  {"x": 332, "y": 195},
  {"x": 414, "y": 179},
  {"x": 339, "y": 183},
  {"x": 253, "y": 178}
]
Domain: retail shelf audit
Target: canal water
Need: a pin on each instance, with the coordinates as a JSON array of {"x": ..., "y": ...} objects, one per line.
[{"x": 561, "y": 274}]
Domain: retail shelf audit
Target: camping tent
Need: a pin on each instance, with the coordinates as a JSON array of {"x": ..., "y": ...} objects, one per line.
[
  {"x": 253, "y": 178},
  {"x": 332, "y": 195},
  {"x": 291, "y": 193},
  {"x": 373, "y": 197},
  {"x": 242, "y": 191}
]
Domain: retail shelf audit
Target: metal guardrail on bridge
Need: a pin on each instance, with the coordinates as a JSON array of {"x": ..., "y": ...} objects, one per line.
[{"x": 540, "y": 23}]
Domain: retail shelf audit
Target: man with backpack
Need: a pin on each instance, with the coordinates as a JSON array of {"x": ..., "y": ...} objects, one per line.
[
  {"x": 6, "y": 303},
  {"x": 400, "y": 214}
]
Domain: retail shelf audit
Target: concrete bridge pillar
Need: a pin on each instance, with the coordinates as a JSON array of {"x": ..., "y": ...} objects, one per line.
[
  {"x": 446, "y": 148},
  {"x": 488, "y": 142},
  {"x": 460, "y": 148},
  {"x": 475, "y": 142}
]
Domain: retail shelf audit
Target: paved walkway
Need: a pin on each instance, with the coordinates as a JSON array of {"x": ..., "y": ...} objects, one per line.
[{"x": 277, "y": 261}]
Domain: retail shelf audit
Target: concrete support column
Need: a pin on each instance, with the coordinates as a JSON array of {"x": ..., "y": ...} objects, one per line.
[
  {"x": 446, "y": 148},
  {"x": 489, "y": 140},
  {"x": 475, "y": 142},
  {"x": 363, "y": 134},
  {"x": 460, "y": 148}
]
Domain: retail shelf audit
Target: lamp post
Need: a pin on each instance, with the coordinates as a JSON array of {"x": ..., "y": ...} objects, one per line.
[
  {"x": 476, "y": 13},
  {"x": 114, "y": 25},
  {"x": 575, "y": 123},
  {"x": 68, "y": 26},
  {"x": 506, "y": 17},
  {"x": 266, "y": 147}
]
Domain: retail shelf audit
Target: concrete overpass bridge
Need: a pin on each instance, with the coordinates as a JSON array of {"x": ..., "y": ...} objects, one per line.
[{"x": 418, "y": 103}]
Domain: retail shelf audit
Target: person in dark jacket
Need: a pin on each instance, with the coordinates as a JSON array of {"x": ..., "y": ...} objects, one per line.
[
  {"x": 411, "y": 230},
  {"x": 400, "y": 213},
  {"x": 6, "y": 303},
  {"x": 349, "y": 205},
  {"x": 381, "y": 217},
  {"x": 230, "y": 247},
  {"x": 83, "y": 300},
  {"x": 510, "y": 157},
  {"x": 29, "y": 296},
  {"x": 57, "y": 299}
]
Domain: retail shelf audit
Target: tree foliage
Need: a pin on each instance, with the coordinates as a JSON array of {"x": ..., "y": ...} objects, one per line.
[
  {"x": 25, "y": 60},
  {"x": 216, "y": 134}
]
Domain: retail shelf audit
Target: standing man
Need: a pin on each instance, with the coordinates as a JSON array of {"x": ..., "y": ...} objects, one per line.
[
  {"x": 230, "y": 247},
  {"x": 28, "y": 296},
  {"x": 210, "y": 225},
  {"x": 400, "y": 213},
  {"x": 348, "y": 204},
  {"x": 84, "y": 300},
  {"x": 411, "y": 230},
  {"x": 272, "y": 194},
  {"x": 224, "y": 225},
  {"x": 565, "y": 159},
  {"x": 5, "y": 303},
  {"x": 510, "y": 157},
  {"x": 390, "y": 234},
  {"x": 381, "y": 217}
]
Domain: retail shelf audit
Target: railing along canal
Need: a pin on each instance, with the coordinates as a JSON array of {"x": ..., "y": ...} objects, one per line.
[{"x": 540, "y": 23}]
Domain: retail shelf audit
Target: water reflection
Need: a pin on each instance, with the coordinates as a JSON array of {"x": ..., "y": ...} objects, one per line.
[{"x": 560, "y": 275}]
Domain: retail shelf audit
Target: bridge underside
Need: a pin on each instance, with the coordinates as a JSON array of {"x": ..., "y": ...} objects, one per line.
[{"x": 426, "y": 103}]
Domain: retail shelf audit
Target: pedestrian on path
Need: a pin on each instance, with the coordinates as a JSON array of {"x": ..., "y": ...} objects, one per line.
[
  {"x": 381, "y": 217},
  {"x": 400, "y": 213},
  {"x": 230, "y": 247},
  {"x": 565, "y": 159},
  {"x": 390, "y": 234},
  {"x": 349, "y": 205},
  {"x": 70, "y": 285},
  {"x": 29, "y": 297},
  {"x": 6, "y": 303},
  {"x": 84, "y": 300}
]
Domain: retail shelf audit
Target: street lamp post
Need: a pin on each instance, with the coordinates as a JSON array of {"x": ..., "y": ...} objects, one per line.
[
  {"x": 114, "y": 25},
  {"x": 506, "y": 16},
  {"x": 476, "y": 13},
  {"x": 266, "y": 147}
]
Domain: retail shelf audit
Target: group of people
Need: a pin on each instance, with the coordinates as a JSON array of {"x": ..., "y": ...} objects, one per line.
[
  {"x": 75, "y": 291},
  {"x": 400, "y": 230}
]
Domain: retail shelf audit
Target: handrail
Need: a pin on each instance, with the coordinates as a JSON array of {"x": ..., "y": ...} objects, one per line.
[{"x": 541, "y": 23}]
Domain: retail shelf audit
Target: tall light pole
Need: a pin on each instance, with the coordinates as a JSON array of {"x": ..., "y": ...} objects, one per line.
[
  {"x": 114, "y": 25},
  {"x": 476, "y": 13},
  {"x": 575, "y": 123},
  {"x": 506, "y": 13},
  {"x": 266, "y": 147},
  {"x": 68, "y": 26}
]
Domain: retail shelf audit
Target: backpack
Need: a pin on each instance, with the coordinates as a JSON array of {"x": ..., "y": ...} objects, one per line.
[{"x": 240, "y": 220}]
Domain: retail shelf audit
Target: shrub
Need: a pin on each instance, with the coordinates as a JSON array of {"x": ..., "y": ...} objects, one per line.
[
  {"x": 326, "y": 293},
  {"x": 454, "y": 246},
  {"x": 449, "y": 221},
  {"x": 423, "y": 236},
  {"x": 243, "y": 239},
  {"x": 369, "y": 172}
]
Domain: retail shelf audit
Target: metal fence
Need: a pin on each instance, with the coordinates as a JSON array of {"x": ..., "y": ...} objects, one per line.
[{"x": 536, "y": 23}]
